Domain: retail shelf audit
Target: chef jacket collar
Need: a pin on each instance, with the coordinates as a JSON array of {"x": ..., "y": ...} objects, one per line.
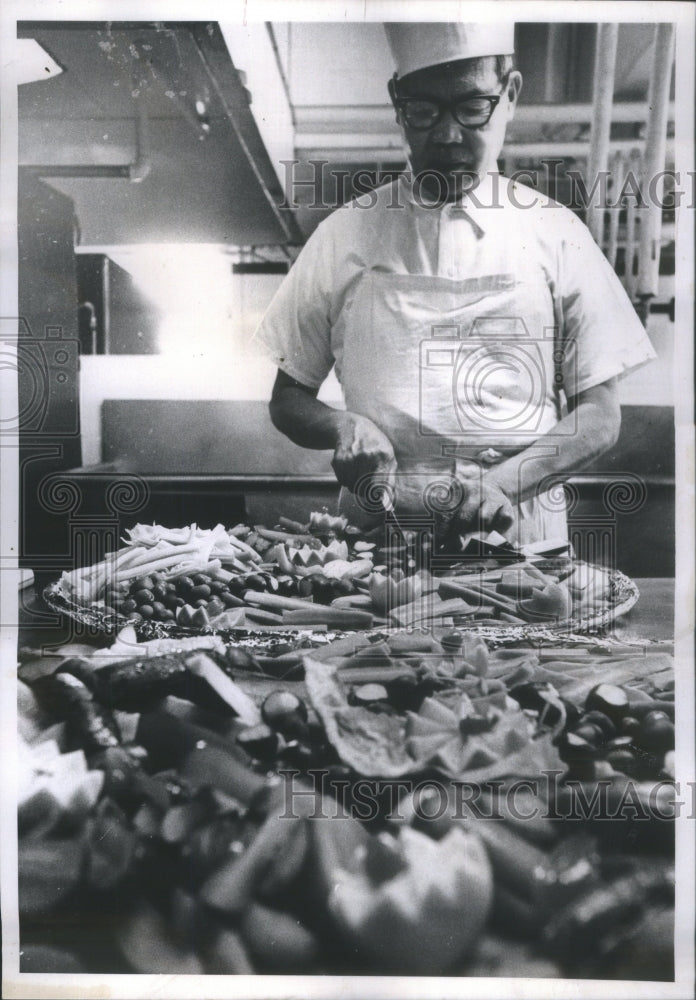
[{"x": 476, "y": 206}]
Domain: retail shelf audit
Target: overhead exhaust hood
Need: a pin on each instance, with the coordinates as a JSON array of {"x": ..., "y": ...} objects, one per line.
[{"x": 161, "y": 104}]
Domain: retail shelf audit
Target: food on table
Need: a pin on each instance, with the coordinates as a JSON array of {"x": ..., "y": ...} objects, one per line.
[
  {"x": 608, "y": 732},
  {"x": 327, "y": 573},
  {"x": 285, "y": 713},
  {"x": 408, "y": 903},
  {"x": 441, "y": 711},
  {"x": 550, "y": 602},
  {"x": 172, "y": 794},
  {"x": 340, "y": 652}
]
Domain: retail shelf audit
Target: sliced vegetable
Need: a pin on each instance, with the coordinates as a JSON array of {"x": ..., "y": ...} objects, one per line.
[
  {"x": 49, "y": 871},
  {"x": 231, "y": 887},
  {"x": 149, "y": 946},
  {"x": 276, "y": 940},
  {"x": 274, "y": 602},
  {"x": 336, "y": 617},
  {"x": 67, "y": 697},
  {"x": 201, "y": 665},
  {"x": 420, "y": 913},
  {"x": 226, "y": 955}
]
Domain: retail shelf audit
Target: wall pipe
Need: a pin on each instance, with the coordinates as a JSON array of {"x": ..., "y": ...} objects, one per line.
[
  {"x": 654, "y": 159},
  {"x": 604, "y": 70},
  {"x": 618, "y": 176},
  {"x": 630, "y": 278},
  {"x": 135, "y": 172}
]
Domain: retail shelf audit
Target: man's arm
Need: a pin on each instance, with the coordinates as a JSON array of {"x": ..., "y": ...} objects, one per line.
[
  {"x": 359, "y": 446},
  {"x": 590, "y": 428}
]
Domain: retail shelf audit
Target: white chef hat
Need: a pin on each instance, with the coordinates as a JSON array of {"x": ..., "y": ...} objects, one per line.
[{"x": 415, "y": 45}]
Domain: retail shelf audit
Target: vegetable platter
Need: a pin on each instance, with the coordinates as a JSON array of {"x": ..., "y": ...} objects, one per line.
[
  {"x": 187, "y": 806},
  {"x": 328, "y": 575}
]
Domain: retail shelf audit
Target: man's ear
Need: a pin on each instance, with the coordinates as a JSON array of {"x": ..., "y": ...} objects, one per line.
[{"x": 514, "y": 86}]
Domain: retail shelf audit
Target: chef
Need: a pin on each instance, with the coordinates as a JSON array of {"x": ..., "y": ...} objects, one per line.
[{"x": 477, "y": 330}]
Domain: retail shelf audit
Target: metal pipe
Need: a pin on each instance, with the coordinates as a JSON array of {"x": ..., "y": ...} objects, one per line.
[
  {"x": 631, "y": 218},
  {"x": 605, "y": 65},
  {"x": 135, "y": 172},
  {"x": 379, "y": 118},
  {"x": 140, "y": 167},
  {"x": 555, "y": 39},
  {"x": 89, "y": 306},
  {"x": 79, "y": 170},
  {"x": 106, "y": 298},
  {"x": 618, "y": 176},
  {"x": 281, "y": 72},
  {"x": 654, "y": 159}
]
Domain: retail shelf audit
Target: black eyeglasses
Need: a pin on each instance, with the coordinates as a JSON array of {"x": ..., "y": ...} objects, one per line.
[{"x": 471, "y": 112}]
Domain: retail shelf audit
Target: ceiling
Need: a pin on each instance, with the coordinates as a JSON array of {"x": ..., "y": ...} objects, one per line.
[{"x": 167, "y": 100}]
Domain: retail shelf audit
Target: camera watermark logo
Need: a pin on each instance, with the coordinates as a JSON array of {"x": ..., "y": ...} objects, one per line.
[
  {"x": 492, "y": 377},
  {"x": 45, "y": 367}
]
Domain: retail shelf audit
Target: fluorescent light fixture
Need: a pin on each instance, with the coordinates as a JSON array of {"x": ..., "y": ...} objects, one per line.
[{"x": 32, "y": 63}]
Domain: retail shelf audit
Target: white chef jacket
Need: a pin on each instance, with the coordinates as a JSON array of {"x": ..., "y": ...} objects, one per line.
[
  {"x": 390, "y": 229},
  {"x": 320, "y": 314}
]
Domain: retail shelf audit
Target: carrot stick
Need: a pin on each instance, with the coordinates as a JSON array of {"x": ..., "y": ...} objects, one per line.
[
  {"x": 263, "y": 617},
  {"x": 295, "y": 540},
  {"x": 201, "y": 665},
  {"x": 450, "y": 588},
  {"x": 275, "y": 601},
  {"x": 340, "y": 648},
  {"x": 424, "y": 610},
  {"x": 338, "y": 617},
  {"x": 352, "y": 601},
  {"x": 243, "y": 547},
  {"x": 293, "y": 526}
]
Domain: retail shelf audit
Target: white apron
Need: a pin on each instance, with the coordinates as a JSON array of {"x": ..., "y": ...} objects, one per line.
[{"x": 459, "y": 374}]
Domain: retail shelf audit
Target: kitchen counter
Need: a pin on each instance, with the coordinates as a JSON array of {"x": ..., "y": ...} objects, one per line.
[{"x": 652, "y": 617}]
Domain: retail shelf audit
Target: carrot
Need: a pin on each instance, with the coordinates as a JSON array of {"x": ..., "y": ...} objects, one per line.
[
  {"x": 293, "y": 526},
  {"x": 352, "y": 601},
  {"x": 201, "y": 665},
  {"x": 238, "y": 543},
  {"x": 482, "y": 595},
  {"x": 425, "y": 610},
  {"x": 276, "y": 601},
  {"x": 338, "y": 617},
  {"x": 296, "y": 540},
  {"x": 263, "y": 617},
  {"x": 340, "y": 648},
  {"x": 239, "y": 531}
]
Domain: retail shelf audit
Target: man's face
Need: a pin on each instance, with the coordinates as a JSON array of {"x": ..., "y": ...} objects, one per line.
[{"x": 452, "y": 158}]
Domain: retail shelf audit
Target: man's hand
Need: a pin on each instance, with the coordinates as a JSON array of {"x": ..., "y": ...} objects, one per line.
[
  {"x": 485, "y": 508},
  {"x": 362, "y": 449}
]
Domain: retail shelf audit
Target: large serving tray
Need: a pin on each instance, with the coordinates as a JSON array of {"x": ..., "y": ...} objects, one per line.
[{"x": 96, "y": 617}]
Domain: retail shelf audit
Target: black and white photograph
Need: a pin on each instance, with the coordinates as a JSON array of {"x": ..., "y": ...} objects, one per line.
[{"x": 347, "y": 512}]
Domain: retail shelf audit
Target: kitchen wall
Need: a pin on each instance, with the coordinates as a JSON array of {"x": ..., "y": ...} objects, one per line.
[{"x": 209, "y": 357}]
